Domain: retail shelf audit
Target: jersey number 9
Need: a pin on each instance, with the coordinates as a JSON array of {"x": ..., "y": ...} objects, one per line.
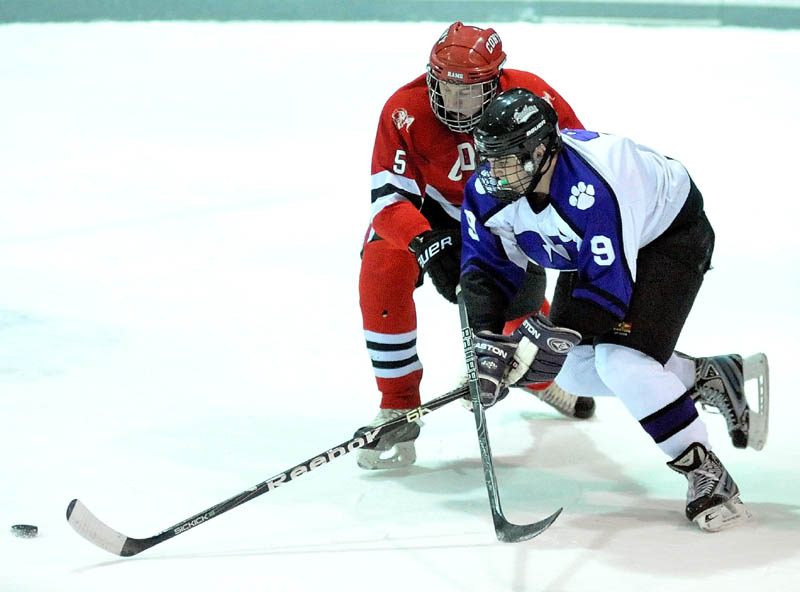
[{"x": 603, "y": 250}]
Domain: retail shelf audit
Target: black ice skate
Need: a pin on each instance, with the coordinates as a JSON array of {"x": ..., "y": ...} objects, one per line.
[
  {"x": 566, "y": 403},
  {"x": 394, "y": 450},
  {"x": 712, "y": 501},
  {"x": 720, "y": 383}
]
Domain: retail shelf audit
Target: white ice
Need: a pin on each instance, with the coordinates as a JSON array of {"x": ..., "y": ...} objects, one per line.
[{"x": 181, "y": 210}]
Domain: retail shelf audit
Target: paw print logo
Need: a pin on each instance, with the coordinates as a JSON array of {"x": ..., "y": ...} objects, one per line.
[{"x": 582, "y": 196}]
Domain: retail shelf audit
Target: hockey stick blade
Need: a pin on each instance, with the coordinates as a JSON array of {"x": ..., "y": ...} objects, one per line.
[
  {"x": 516, "y": 533},
  {"x": 507, "y": 532},
  {"x": 94, "y": 530}
]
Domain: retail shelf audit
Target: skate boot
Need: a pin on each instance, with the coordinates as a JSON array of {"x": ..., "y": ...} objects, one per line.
[
  {"x": 564, "y": 402},
  {"x": 394, "y": 450},
  {"x": 712, "y": 501},
  {"x": 559, "y": 399},
  {"x": 720, "y": 384}
]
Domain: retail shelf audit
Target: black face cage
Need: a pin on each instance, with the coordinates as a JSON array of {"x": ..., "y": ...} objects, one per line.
[
  {"x": 457, "y": 122},
  {"x": 514, "y": 187},
  {"x": 493, "y": 186}
]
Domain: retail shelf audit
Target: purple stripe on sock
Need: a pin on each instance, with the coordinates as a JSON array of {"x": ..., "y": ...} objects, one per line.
[{"x": 671, "y": 419}]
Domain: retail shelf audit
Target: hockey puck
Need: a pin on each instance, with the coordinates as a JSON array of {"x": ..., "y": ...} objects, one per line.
[{"x": 26, "y": 531}]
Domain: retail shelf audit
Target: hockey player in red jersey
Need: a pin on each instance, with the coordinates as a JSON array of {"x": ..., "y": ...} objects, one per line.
[{"x": 422, "y": 159}]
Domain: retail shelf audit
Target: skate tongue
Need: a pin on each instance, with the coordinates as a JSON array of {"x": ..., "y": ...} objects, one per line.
[{"x": 690, "y": 459}]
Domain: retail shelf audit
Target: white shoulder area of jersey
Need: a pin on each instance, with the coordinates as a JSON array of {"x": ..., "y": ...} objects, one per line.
[
  {"x": 504, "y": 218},
  {"x": 607, "y": 154},
  {"x": 382, "y": 178},
  {"x": 601, "y": 142}
]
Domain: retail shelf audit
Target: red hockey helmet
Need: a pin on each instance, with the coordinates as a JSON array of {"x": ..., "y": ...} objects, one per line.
[{"x": 463, "y": 73}]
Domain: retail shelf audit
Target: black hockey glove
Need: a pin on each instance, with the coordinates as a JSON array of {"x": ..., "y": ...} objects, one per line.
[
  {"x": 541, "y": 352},
  {"x": 438, "y": 253},
  {"x": 494, "y": 355}
]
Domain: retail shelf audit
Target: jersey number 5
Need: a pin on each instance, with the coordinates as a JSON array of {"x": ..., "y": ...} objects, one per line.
[{"x": 399, "y": 162}]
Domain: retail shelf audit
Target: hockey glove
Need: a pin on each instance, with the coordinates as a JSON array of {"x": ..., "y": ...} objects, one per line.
[
  {"x": 494, "y": 355},
  {"x": 541, "y": 352},
  {"x": 438, "y": 254}
]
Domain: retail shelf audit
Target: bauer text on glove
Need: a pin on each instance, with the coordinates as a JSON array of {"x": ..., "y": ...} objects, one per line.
[{"x": 438, "y": 253}]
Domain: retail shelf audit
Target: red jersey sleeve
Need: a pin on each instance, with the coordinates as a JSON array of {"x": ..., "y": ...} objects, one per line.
[
  {"x": 397, "y": 183},
  {"x": 520, "y": 79}
]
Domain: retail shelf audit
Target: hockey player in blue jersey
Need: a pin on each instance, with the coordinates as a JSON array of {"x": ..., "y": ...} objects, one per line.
[{"x": 631, "y": 223}]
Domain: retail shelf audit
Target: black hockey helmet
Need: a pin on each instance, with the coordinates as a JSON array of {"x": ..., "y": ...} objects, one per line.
[{"x": 516, "y": 122}]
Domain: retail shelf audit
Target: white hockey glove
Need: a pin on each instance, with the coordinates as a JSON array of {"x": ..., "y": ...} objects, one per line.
[
  {"x": 494, "y": 355},
  {"x": 541, "y": 352}
]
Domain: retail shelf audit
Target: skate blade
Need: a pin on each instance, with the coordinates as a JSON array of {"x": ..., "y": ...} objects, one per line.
[
  {"x": 402, "y": 454},
  {"x": 756, "y": 368},
  {"x": 727, "y": 515}
]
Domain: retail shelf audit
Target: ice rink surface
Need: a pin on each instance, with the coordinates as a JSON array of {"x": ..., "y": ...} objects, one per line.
[{"x": 181, "y": 210}]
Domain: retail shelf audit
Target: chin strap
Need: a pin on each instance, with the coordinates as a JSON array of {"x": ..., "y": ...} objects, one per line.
[
  {"x": 538, "y": 200},
  {"x": 553, "y": 148}
]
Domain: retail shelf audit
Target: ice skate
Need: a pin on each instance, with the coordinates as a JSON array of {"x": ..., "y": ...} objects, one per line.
[
  {"x": 559, "y": 399},
  {"x": 396, "y": 449},
  {"x": 720, "y": 384},
  {"x": 564, "y": 402},
  {"x": 712, "y": 501}
]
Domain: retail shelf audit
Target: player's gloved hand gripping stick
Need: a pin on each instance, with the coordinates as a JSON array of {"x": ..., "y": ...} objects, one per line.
[
  {"x": 494, "y": 364},
  {"x": 533, "y": 353}
]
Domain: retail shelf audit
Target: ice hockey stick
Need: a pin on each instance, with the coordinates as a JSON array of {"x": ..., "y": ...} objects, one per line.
[
  {"x": 96, "y": 531},
  {"x": 506, "y": 531}
]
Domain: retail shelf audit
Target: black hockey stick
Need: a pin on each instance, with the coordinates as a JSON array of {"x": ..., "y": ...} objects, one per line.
[
  {"x": 506, "y": 531},
  {"x": 95, "y": 531}
]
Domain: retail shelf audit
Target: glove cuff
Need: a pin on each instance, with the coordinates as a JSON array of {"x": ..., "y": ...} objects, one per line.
[{"x": 415, "y": 245}]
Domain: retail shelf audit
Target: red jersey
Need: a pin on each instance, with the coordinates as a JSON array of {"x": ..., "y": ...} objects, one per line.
[{"x": 420, "y": 166}]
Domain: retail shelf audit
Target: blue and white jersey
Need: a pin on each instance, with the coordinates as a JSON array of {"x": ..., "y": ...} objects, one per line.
[{"x": 609, "y": 198}]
